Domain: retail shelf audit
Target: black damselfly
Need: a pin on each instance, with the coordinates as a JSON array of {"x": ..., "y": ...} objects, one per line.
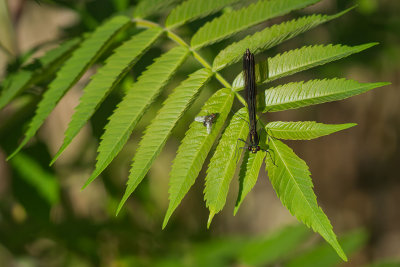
[{"x": 251, "y": 94}]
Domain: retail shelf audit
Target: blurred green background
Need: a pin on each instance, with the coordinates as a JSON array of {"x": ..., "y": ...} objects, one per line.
[{"x": 45, "y": 220}]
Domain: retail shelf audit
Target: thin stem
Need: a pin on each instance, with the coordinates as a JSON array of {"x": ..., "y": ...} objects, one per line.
[
  {"x": 180, "y": 41},
  {"x": 176, "y": 38}
]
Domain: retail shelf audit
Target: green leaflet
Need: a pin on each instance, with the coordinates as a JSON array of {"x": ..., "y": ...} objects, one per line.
[
  {"x": 292, "y": 183},
  {"x": 44, "y": 182},
  {"x": 301, "y": 94},
  {"x": 147, "y": 8},
  {"x": 160, "y": 128},
  {"x": 303, "y": 130},
  {"x": 269, "y": 37},
  {"x": 195, "y": 147},
  {"x": 323, "y": 255},
  {"x": 273, "y": 248},
  {"x": 238, "y": 20},
  {"x": 223, "y": 164},
  {"x": 49, "y": 63},
  {"x": 106, "y": 78},
  {"x": 248, "y": 175},
  {"x": 297, "y": 60},
  {"x": 82, "y": 58},
  {"x": 194, "y": 9},
  {"x": 135, "y": 103}
]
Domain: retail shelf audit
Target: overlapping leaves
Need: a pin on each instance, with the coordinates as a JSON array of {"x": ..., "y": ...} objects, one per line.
[
  {"x": 298, "y": 60},
  {"x": 238, "y": 20},
  {"x": 90, "y": 49},
  {"x": 195, "y": 147},
  {"x": 160, "y": 128},
  {"x": 136, "y": 101},
  {"x": 106, "y": 79}
]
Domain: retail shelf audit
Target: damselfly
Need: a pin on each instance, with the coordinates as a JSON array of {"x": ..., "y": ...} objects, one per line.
[{"x": 251, "y": 94}]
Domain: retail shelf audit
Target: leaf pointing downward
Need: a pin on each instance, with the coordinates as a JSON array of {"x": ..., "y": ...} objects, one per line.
[
  {"x": 291, "y": 180},
  {"x": 106, "y": 78},
  {"x": 223, "y": 164},
  {"x": 195, "y": 147},
  {"x": 131, "y": 109},
  {"x": 157, "y": 132}
]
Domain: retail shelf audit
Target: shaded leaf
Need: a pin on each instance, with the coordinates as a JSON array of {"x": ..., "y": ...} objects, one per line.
[
  {"x": 160, "y": 128},
  {"x": 82, "y": 58},
  {"x": 135, "y": 103},
  {"x": 147, "y": 8},
  {"x": 275, "y": 247},
  {"x": 297, "y": 60},
  {"x": 223, "y": 163},
  {"x": 303, "y": 130},
  {"x": 323, "y": 255},
  {"x": 44, "y": 182},
  {"x": 194, "y": 9},
  {"x": 248, "y": 175},
  {"x": 106, "y": 78},
  {"x": 290, "y": 177},
  {"x": 195, "y": 147},
  {"x": 233, "y": 22},
  {"x": 18, "y": 82},
  {"x": 302, "y": 94}
]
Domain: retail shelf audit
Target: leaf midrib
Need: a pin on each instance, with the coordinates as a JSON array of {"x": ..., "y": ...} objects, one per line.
[{"x": 322, "y": 95}]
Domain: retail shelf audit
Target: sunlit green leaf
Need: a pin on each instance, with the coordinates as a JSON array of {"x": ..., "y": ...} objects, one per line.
[
  {"x": 195, "y": 148},
  {"x": 297, "y": 60},
  {"x": 290, "y": 177},
  {"x": 160, "y": 128},
  {"x": 233, "y": 22},
  {"x": 131, "y": 109},
  {"x": 223, "y": 163},
  {"x": 269, "y": 37},
  {"x": 303, "y": 130},
  {"x": 302, "y": 94}
]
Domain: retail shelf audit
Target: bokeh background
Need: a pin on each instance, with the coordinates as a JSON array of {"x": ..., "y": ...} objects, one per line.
[{"x": 355, "y": 172}]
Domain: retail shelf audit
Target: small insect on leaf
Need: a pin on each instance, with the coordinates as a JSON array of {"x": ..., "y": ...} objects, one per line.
[{"x": 207, "y": 121}]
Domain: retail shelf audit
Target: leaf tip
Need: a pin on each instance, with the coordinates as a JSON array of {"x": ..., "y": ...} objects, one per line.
[
  {"x": 210, "y": 217},
  {"x": 235, "y": 210},
  {"x": 15, "y": 151}
]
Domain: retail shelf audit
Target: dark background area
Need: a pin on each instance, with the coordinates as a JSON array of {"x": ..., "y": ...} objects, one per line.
[{"x": 354, "y": 172}]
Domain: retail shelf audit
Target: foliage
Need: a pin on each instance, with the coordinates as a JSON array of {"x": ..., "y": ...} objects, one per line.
[{"x": 289, "y": 174}]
